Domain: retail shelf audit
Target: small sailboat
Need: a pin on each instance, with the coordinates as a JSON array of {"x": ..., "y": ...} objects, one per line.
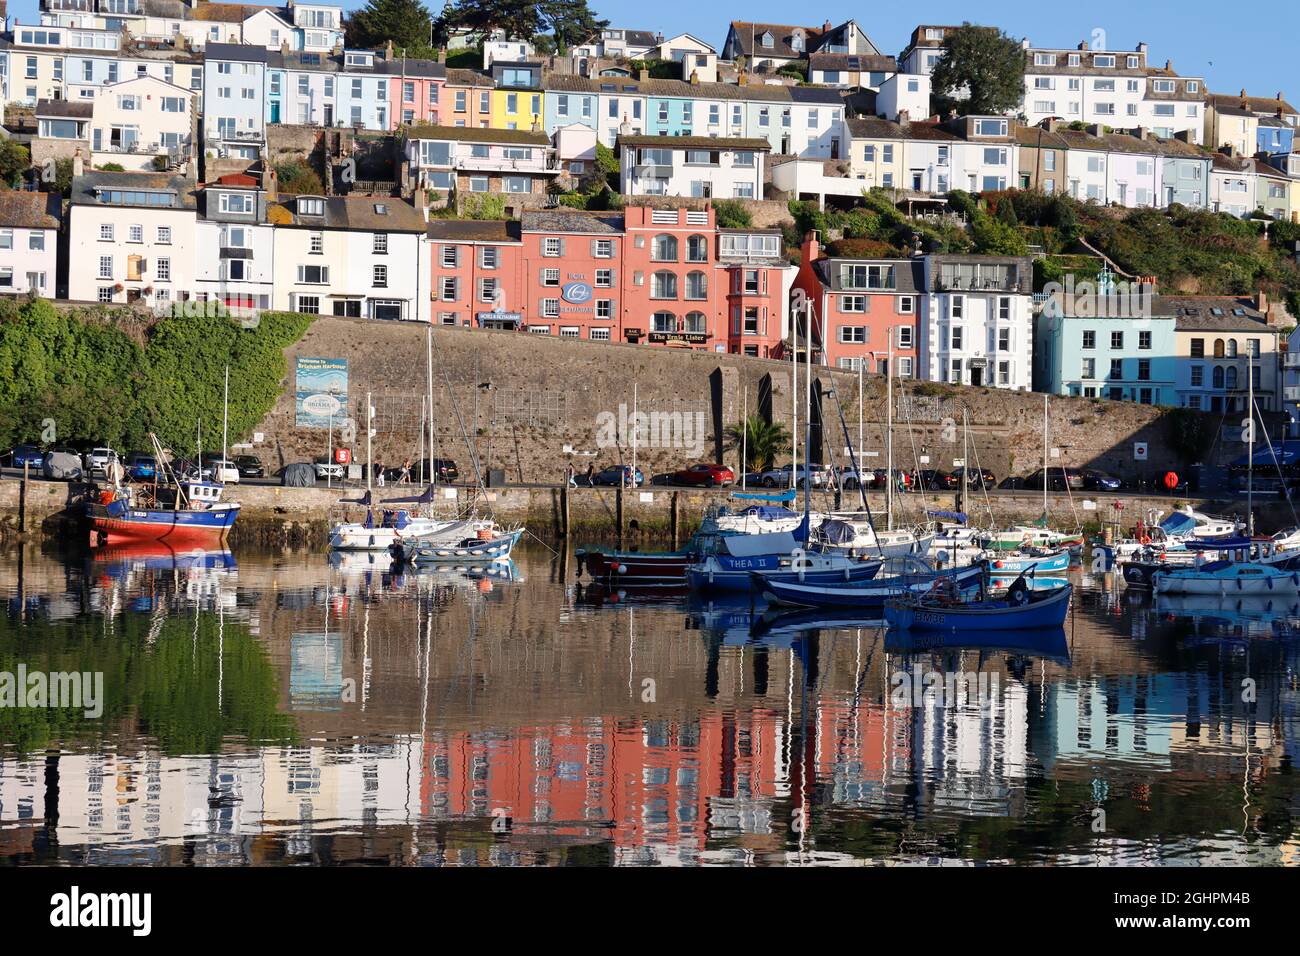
[
  {"x": 1226, "y": 577},
  {"x": 1023, "y": 608},
  {"x": 466, "y": 540}
]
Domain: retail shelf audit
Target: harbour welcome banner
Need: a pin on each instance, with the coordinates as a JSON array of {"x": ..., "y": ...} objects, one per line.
[{"x": 321, "y": 392}]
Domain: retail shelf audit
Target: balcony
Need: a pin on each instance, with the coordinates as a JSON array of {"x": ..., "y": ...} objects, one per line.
[{"x": 499, "y": 164}]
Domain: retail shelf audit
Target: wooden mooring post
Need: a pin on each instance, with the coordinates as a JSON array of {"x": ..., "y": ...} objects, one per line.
[
  {"x": 22, "y": 499},
  {"x": 618, "y": 513},
  {"x": 674, "y": 520}
]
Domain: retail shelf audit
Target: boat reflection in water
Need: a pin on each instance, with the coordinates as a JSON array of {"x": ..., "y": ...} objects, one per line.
[{"x": 295, "y": 711}]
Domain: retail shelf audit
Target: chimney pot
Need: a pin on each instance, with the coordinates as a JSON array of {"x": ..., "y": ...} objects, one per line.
[
  {"x": 1083, "y": 45},
  {"x": 643, "y": 75}
]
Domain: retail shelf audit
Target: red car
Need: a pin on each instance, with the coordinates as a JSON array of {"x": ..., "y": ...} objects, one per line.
[{"x": 712, "y": 476}]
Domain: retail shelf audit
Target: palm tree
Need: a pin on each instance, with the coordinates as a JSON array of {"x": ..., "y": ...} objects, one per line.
[{"x": 761, "y": 440}]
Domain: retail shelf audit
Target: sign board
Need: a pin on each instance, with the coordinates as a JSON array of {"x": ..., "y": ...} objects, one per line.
[
  {"x": 576, "y": 292},
  {"x": 871, "y": 454},
  {"x": 924, "y": 459},
  {"x": 1089, "y": 505},
  {"x": 647, "y": 497},
  {"x": 1055, "y": 453},
  {"x": 566, "y": 449},
  {"x": 959, "y": 462},
  {"x": 1139, "y": 451},
  {"x": 321, "y": 391},
  {"x": 258, "y": 438}
]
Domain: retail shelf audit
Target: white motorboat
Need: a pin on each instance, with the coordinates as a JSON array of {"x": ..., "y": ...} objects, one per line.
[{"x": 1226, "y": 578}]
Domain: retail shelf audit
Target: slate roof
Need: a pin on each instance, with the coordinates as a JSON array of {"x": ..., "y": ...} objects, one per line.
[
  {"x": 748, "y": 39},
  {"x": 70, "y": 109},
  {"x": 909, "y": 274},
  {"x": 696, "y": 142},
  {"x": 359, "y": 213},
  {"x": 474, "y": 230},
  {"x": 1196, "y": 313},
  {"x": 468, "y": 134},
  {"x": 27, "y": 210},
  {"x": 1251, "y": 104},
  {"x": 553, "y": 221},
  {"x": 878, "y": 63},
  {"x": 85, "y": 187}
]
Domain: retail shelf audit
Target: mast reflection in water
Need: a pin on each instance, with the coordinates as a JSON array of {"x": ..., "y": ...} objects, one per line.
[{"x": 282, "y": 708}]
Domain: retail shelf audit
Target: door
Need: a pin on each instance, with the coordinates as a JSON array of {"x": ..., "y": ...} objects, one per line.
[
  {"x": 329, "y": 114},
  {"x": 275, "y": 112},
  {"x": 976, "y": 376}
]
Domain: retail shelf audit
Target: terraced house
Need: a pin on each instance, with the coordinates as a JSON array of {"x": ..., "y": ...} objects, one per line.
[
  {"x": 697, "y": 166},
  {"x": 516, "y": 163}
]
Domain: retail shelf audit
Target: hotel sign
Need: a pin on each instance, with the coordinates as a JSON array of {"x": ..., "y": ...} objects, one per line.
[{"x": 579, "y": 293}]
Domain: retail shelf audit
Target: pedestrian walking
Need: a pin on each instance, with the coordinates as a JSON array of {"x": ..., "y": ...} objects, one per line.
[
  {"x": 570, "y": 475},
  {"x": 379, "y": 473},
  {"x": 591, "y": 474},
  {"x": 405, "y": 477}
]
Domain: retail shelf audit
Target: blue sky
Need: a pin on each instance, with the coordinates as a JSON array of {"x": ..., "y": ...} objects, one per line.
[{"x": 1203, "y": 39}]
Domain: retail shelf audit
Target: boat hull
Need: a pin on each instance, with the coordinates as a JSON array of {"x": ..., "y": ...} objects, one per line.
[
  {"x": 178, "y": 529},
  {"x": 1010, "y": 565},
  {"x": 495, "y": 549},
  {"x": 635, "y": 565},
  {"x": 1047, "y": 611},
  {"x": 866, "y": 594},
  {"x": 1190, "y": 582}
]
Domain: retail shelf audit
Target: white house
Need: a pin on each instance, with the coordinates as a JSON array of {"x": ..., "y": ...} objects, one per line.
[
  {"x": 499, "y": 49},
  {"x": 1233, "y": 184},
  {"x": 904, "y": 96},
  {"x": 519, "y": 163},
  {"x": 699, "y": 166},
  {"x": 138, "y": 119},
  {"x": 29, "y": 240},
  {"x": 975, "y": 325},
  {"x": 698, "y": 60},
  {"x": 132, "y": 236},
  {"x": 361, "y": 257},
  {"x": 235, "y": 243}
]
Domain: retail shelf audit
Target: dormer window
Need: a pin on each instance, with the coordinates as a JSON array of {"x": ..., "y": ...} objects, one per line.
[
  {"x": 311, "y": 206},
  {"x": 381, "y": 209},
  {"x": 1100, "y": 61},
  {"x": 767, "y": 41},
  {"x": 796, "y": 42}
]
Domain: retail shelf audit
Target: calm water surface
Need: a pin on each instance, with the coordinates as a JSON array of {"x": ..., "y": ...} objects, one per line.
[{"x": 273, "y": 708}]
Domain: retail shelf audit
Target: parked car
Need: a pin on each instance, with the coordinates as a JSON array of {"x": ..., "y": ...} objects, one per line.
[
  {"x": 97, "y": 460},
  {"x": 712, "y": 476},
  {"x": 250, "y": 466},
  {"x": 847, "y": 477},
  {"x": 21, "y": 455},
  {"x": 225, "y": 471},
  {"x": 327, "y": 468},
  {"x": 933, "y": 479},
  {"x": 1011, "y": 483},
  {"x": 975, "y": 477},
  {"x": 1057, "y": 479},
  {"x": 1094, "y": 480},
  {"x": 780, "y": 477},
  {"x": 618, "y": 475},
  {"x": 141, "y": 467}
]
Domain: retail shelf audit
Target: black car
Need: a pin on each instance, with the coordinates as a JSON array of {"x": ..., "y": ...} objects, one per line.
[
  {"x": 1057, "y": 479},
  {"x": 250, "y": 466},
  {"x": 932, "y": 479},
  {"x": 1094, "y": 480},
  {"x": 976, "y": 477}
]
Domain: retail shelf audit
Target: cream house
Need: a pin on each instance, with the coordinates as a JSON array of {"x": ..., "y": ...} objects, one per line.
[
  {"x": 139, "y": 119},
  {"x": 131, "y": 236}
]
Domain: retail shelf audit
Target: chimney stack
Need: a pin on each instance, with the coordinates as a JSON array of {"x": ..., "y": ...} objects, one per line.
[
  {"x": 1051, "y": 123},
  {"x": 270, "y": 183},
  {"x": 442, "y": 55},
  {"x": 78, "y": 164},
  {"x": 388, "y": 49},
  {"x": 1141, "y": 48},
  {"x": 811, "y": 247},
  {"x": 1084, "y": 46},
  {"x": 1262, "y": 304},
  {"x": 643, "y": 75}
]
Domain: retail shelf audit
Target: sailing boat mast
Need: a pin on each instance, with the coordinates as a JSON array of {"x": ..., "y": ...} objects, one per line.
[
  {"x": 1045, "y": 460},
  {"x": 889, "y": 434},
  {"x": 1250, "y": 446},
  {"x": 428, "y": 348},
  {"x": 794, "y": 398},
  {"x": 225, "y": 416},
  {"x": 807, "y": 406}
]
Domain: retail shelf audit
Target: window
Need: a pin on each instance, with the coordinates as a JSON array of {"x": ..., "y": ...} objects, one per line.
[
  {"x": 164, "y": 235},
  {"x": 105, "y": 232},
  {"x": 1197, "y": 348},
  {"x": 487, "y": 257},
  {"x": 604, "y": 278},
  {"x": 1144, "y": 370},
  {"x": 36, "y": 241},
  {"x": 1116, "y": 368},
  {"x": 853, "y": 303},
  {"x": 308, "y": 304},
  {"x": 552, "y": 247},
  {"x": 1004, "y": 340},
  {"x": 551, "y": 278},
  {"x": 603, "y": 249},
  {"x": 990, "y": 127},
  {"x": 1117, "y": 340},
  {"x": 604, "y": 308},
  {"x": 450, "y": 257},
  {"x": 664, "y": 249},
  {"x": 135, "y": 233},
  {"x": 663, "y": 285},
  {"x": 313, "y": 275},
  {"x": 105, "y": 267},
  {"x": 1144, "y": 341},
  {"x": 697, "y": 286},
  {"x": 1197, "y": 376},
  {"x": 163, "y": 269},
  {"x": 379, "y": 244},
  {"x": 449, "y": 289},
  {"x": 957, "y": 338},
  {"x": 1089, "y": 368},
  {"x": 105, "y": 294},
  {"x": 381, "y": 276}
]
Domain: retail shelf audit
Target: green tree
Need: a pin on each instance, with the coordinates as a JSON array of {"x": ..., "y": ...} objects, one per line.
[
  {"x": 985, "y": 63},
  {"x": 566, "y": 21},
  {"x": 762, "y": 441},
  {"x": 14, "y": 160},
  {"x": 405, "y": 22},
  {"x": 993, "y": 237},
  {"x": 732, "y": 214}
]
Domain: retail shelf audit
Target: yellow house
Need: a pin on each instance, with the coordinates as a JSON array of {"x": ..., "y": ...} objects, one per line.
[
  {"x": 517, "y": 96},
  {"x": 877, "y": 153}
]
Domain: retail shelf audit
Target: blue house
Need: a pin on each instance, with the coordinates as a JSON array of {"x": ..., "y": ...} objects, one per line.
[
  {"x": 1274, "y": 136},
  {"x": 1118, "y": 347}
]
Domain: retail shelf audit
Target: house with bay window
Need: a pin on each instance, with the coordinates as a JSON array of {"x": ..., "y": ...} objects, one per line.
[
  {"x": 142, "y": 118},
  {"x": 458, "y": 161},
  {"x": 696, "y": 166},
  {"x": 235, "y": 243},
  {"x": 974, "y": 325},
  {"x": 353, "y": 256},
  {"x": 132, "y": 236}
]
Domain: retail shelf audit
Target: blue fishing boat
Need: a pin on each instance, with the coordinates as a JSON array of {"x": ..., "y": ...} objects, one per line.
[
  {"x": 1022, "y": 609},
  {"x": 1036, "y": 561},
  {"x": 486, "y": 546},
  {"x": 898, "y": 576}
]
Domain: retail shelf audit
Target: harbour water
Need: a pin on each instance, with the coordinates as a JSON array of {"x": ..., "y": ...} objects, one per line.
[{"x": 279, "y": 708}]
